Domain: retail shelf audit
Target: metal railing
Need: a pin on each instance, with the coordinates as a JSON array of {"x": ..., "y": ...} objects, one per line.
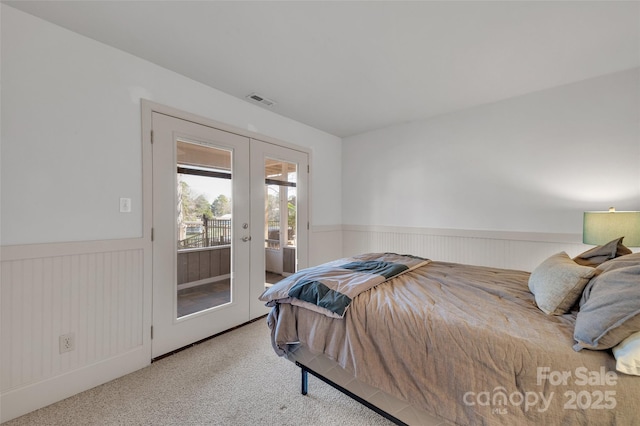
[{"x": 215, "y": 232}]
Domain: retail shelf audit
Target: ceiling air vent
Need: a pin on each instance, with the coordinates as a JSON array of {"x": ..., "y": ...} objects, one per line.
[{"x": 261, "y": 99}]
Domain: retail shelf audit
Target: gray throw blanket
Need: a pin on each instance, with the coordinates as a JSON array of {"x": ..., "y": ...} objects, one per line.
[{"x": 329, "y": 288}]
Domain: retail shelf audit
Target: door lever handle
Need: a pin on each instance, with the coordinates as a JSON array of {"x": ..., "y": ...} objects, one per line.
[{"x": 245, "y": 239}]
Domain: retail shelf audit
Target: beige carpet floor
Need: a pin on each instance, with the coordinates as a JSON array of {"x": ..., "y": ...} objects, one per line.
[{"x": 232, "y": 379}]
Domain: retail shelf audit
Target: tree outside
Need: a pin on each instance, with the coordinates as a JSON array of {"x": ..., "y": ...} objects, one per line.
[
  {"x": 195, "y": 207},
  {"x": 221, "y": 206}
]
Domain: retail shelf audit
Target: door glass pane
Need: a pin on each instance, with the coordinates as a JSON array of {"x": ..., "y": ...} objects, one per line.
[
  {"x": 280, "y": 219},
  {"x": 203, "y": 227}
]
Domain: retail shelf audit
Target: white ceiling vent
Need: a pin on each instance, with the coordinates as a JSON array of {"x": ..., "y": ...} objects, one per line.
[{"x": 261, "y": 99}]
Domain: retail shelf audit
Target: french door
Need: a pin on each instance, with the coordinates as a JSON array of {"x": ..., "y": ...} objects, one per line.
[
  {"x": 279, "y": 182},
  {"x": 223, "y": 206}
]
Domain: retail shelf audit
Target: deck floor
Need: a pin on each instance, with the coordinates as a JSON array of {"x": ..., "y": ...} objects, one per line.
[{"x": 196, "y": 299}]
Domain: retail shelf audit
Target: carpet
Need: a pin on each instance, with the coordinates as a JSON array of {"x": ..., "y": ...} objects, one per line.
[{"x": 232, "y": 379}]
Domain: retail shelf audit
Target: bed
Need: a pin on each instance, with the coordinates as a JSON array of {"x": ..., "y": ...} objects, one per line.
[{"x": 433, "y": 342}]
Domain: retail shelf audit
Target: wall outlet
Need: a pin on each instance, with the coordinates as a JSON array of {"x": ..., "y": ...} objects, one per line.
[{"x": 67, "y": 342}]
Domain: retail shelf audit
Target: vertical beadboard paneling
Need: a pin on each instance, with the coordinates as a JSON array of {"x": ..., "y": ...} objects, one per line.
[
  {"x": 97, "y": 296},
  {"x": 48, "y": 343},
  {"x": 325, "y": 244},
  {"x": 38, "y": 304},
  {"x": 512, "y": 250},
  {"x": 95, "y": 339},
  {"x": 16, "y": 330},
  {"x": 26, "y": 321}
]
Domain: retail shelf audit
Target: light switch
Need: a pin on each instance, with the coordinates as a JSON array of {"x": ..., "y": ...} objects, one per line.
[{"x": 125, "y": 205}]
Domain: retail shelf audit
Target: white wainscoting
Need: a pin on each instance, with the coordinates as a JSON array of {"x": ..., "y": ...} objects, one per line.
[
  {"x": 95, "y": 290},
  {"x": 511, "y": 250},
  {"x": 325, "y": 244},
  {"x": 100, "y": 291}
]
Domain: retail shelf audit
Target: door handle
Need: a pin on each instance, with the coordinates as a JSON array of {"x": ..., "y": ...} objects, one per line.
[{"x": 245, "y": 239}]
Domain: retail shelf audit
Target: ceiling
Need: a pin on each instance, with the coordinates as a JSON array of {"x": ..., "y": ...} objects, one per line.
[{"x": 352, "y": 67}]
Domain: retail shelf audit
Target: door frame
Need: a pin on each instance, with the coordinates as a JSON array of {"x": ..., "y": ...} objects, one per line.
[{"x": 147, "y": 109}]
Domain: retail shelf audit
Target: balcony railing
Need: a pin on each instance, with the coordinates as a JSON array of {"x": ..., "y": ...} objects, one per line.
[{"x": 214, "y": 232}]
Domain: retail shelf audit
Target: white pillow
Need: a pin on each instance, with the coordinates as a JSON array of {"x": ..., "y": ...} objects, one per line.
[{"x": 627, "y": 355}]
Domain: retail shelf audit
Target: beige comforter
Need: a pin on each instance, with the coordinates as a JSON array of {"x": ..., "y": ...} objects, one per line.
[{"x": 469, "y": 345}]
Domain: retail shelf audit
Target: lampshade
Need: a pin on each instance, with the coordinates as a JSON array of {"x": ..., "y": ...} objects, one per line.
[{"x": 602, "y": 227}]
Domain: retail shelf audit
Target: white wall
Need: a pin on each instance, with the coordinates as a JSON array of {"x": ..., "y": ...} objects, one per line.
[
  {"x": 70, "y": 148},
  {"x": 520, "y": 167},
  {"x": 71, "y": 134}
]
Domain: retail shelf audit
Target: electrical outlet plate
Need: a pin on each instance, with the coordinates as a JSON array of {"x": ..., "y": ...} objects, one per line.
[{"x": 67, "y": 342}]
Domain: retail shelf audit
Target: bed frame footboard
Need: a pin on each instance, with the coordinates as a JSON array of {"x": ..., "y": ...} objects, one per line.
[{"x": 305, "y": 388}]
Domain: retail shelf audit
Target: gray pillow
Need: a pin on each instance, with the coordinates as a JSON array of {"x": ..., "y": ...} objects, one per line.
[
  {"x": 600, "y": 254},
  {"x": 619, "y": 262},
  {"x": 557, "y": 283},
  {"x": 611, "y": 311}
]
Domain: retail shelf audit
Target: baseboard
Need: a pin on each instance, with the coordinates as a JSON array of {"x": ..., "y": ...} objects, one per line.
[{"x": 17, "y": 402}]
